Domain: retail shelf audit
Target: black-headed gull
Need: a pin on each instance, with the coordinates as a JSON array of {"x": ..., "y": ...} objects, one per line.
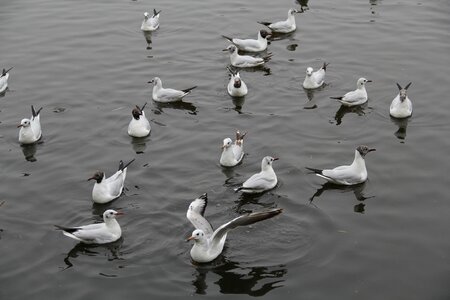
[
  {"x": 262, "y": 181},
  {"x": 356, "y": 97},
  {"x": 314, "y": 80},
  {"x": 108, "y": 189},
  {"x": 150, "y": 23},
  {"x": 100, "y": 233},
  {"x": 245, "y": 61},
  {"x": 236, "y": 86},
  {"x": 139, "y": 126},
  {"x": 401, "y": 106},
  {"x": 30, "y": 129},
  {"x": 232, "y": 153},
  {"x": 208, "y": 243},
  {"x": 251, "y": 45},
  {"x": 349, "y": 174},
  {"x": 4, "y": 79},
  {"x": 284, "y": 26},
  {"x": 161, "y": 94}
]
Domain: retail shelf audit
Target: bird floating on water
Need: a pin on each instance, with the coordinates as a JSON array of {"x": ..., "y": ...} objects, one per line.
[
  {"x": 314, "y": 80},
  {"x": 286, "y": 26},
  {"x": 251, "y": 45},
  {"x": 30, "y": 129},
  {"x": 401, "y": 106},
  {"x": 236, "y": 86},
  {"x": 262, "y": 181},
  {"x": 356, "y": 97},
  {"x": 161, "y": 94},
  {"x": 232, "y": 153},
  {"x": 4, "y": 79},
  {"x": 150, "y": 23},
  {"x": 245, "y": 61},
  {"x": 139, "y": 126}
]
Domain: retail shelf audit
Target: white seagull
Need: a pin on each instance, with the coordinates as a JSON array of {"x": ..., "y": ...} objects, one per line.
[
  {"x": 347, "y": 175},
  {"x": 152, "y": 23},
  {"x": 314, "y": 80},
  {"x": 356, "y": 97},
  {"x": 251, "y": 45},
  {"x": 284, "y": 26},
  {"x": 245, "y": 61},
  {"x": 262, "y": 181},
  {"x": 139, "y": 125},
  {"x": 161, "y": 94},
  {"x": 108, "y": 189},
  {"x": 208, "y": 244},
  {"x": 100, "y": 233},
  {"x": 401, "y": 106},
  {"x": 232, "y": 153},
  {"x": 4, "y": 79},
  {"x": 236, "y": 86},
  {"x": 30, "y": 129}
]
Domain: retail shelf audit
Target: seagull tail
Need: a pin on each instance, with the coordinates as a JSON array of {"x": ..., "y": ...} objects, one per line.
[
  {"x": 66, "y": 229},
  {"x": 189, "y": 89},
  {"x": 316, "y": 171},
  {"x": 268, "y": 57},
  {"x": 228, "y": 38},
  {"x": 123, "y": 167},
  {"x": 324, "y": 67},
  {"x": 240, "y": 136},
  {"x": 35, "y": 113},
  {"x": 264, "y": 23},
  {"x": 337, "y": 98},
  {"x": 4, "y": 72},
  {"x": 155, "y": 13}
]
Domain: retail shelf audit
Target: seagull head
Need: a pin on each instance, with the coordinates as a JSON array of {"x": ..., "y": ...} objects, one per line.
[
  {"x": 237, "y": 82},
  {"x": 146, "y": 15},
  {"x": 98, "y": 176},
  {"x": 227, "y": 143},
  {"x": 363, "y": 150},
  {"x": 267, "y": 162},
  {"x": 24, "y": 123},
  {"x": 309, "y": 71},
  {"x": 136, "y": 112},
  {"x": 362, "y": 81},
  {"x": 292, "y": 11},
  {"x": 197, "y": 235},
  {"x": 111, "y": 214},
  {"x": 264, "y": 34},
  {"x": 231, "y": 49},
  {"x": 402, "y": 91},
  {"x": 155, "y": 80}
]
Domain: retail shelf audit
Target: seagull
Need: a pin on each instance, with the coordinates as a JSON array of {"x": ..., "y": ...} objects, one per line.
[
  {"x": 401, "y": 106},
  {"x": 245, "y": 61},
  {"x": 284, "y": 26},
  {"x": 262, "y": 181},
  {"x": 232, "y": 154},
  {"x": 100, "y": 233},
  {"x": 356, "y": 97},
  {"x": 236, "y": 86},
  {"x": 347, "y": 175},
  {"x": 251, "y": 45},
  {"x": 30, "y": 129},
  {"x": 152, "y": 23},
  {"x": 139, "y": 125},
  {"x": 4, "y": 79},
  {"x": 208, "y": 244},
  {"x": 314, "y": 80},
  {"x": 161, "y": 94},
  {"x": 108, "y": 189}
]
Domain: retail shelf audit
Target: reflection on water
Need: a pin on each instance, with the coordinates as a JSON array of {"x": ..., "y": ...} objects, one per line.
[
  {"x": 343, "y": 110},
  {"x": 29, "y": 151},
  {"x": 238, "y": 103},
  {"x": 180, "y": 105},
  {"x": 303, "y": 4},
  {"x": 139, "y": 144},
  {"x": 236, "y": 279},
  {"x": 111, "y": 251},
  {"x": 401, "y": 124},
  {"x": 148, "y": 39},
  {"x": 310, "y": 95}
]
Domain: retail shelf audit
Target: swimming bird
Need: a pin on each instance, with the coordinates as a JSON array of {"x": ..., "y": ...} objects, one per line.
[
  {"x": 356, "y": 97},
  {"x": 236, "y": 86},
  {"x": 161, "y": 94},
  {"x": 209, "y": 243},
  {"x": 30, "y": 129},
  {"x": 139, "y": 125},
  {"x": 284, "y": 26},
  {"x": 245, "y": 61},
  {"x": 99, "y": 233},
  {"x": 401, "y": 106},
  {"x": 108, "y": 189},
  {"x": 262, "y": 181},
  {"x": 232, "y": 153},
  {"x": 152, "y": 23},
  {"x": 314, "y": 80},
  {"x": 347, "y": 175},
  {"x": 4, "y": 79},
  {"x": 251, "y": 45}
]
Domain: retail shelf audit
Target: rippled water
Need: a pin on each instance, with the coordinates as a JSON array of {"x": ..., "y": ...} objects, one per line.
[{"x": 87, "y": 63}]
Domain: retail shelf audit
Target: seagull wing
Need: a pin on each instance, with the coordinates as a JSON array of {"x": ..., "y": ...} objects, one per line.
[{"x": 195, "y": 215}]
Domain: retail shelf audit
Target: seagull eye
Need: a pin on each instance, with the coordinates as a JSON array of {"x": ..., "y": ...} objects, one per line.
[{"x": 197, "y": 234}]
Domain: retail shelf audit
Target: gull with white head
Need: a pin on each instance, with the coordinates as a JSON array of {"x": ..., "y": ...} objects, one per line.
[
  {"x": 161, "y": 94},
  {"x": 262, "y": 181},
  {"x": 401, "y": 106},
  {"x": 251, "y": 45},
  {"x": 286, "y": 26},
  {"x": 150, "y": 23},
  {"x": 30, "y": 129},
  {"x": 245, "y": 61},
  {"x": 314, "y": 80},
  {"x": 356, "y": 97},
  {"x": 232, "y": 153}
]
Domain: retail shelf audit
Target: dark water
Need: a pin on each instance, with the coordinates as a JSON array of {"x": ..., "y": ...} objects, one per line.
[{"x": 87, "y": 64}]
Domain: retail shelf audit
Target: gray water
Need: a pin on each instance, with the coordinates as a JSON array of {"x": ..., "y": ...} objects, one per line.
[{"x": 87, "y": 64}]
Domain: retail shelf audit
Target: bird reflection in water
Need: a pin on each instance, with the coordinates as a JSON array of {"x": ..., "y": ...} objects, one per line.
[
  {"x": 139, "y": 144},
  {"x": 310, "y": 95},
  {"x": 29, "y": 151},
  {"x": 357, "y": 189},
  {"x": 402, "y": 124},
  {"x": 148, "y": 38},
  {"x": 238, "y": 102},
  {"x": 179, "y": 105},
  {"x": 343, "y": 110},
  {"x": 237, "y": 279}
]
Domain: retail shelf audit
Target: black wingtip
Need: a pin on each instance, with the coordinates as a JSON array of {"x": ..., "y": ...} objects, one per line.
[
  {"x": 407, "y": 86},
  {"x": 316, "y": 171},
  {"x": 143, "y": 106},
  {"x": 66, "y": 229},
  {"x": 264, "y": 23},
  {"x": 324, "y": 67},
  {"x": 155, "y": 13},
  {"x": 35, "y": 113},
  {"x": 123, "y": 167},
  {"x": 337, "y": 98},
  {"x": 4, "y": 72},
  {"x": 399, "y": 86},
  {"x": 228, "y": 38},
  {"x": 189, "y": 89}
]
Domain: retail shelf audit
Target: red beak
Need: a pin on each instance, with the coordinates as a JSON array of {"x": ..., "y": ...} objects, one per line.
[{"x": 119, "y": 213}]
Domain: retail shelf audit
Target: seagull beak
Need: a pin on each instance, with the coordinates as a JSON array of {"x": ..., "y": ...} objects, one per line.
[
  {"x": 20, "y": 125},
  {"x": 369, "y": 80},
  {"x": 373, "y": 149},
  {"x": 276, "y": 158},
  {"x": 224, "y": 49},
  {"x": 91, "y": 178},
  {"x": 119, "y": 213},
  {"x": 190, "y": 238}
]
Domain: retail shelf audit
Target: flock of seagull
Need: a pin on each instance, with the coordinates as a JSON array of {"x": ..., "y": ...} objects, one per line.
[{"x": 209, "y": 243}]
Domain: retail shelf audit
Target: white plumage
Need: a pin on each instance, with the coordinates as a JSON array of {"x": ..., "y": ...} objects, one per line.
[
  {"x": 139, "y": 126},
  {"x": 314, "y": 80},
  {"x": 30, "y": 129},
  {"x": 150, "y": 23},
  {"x": 286, "y": 26},
  {"x": 232, "y": 153},
  {"x": 161, "y": 94},
  {"x": 262, "y": 181},
  {"x": 401, "y": 106},
  {"x": 251, "y": 45},
  {"x": 245, "y": 61},
  {"x": 356, "y": 97}
]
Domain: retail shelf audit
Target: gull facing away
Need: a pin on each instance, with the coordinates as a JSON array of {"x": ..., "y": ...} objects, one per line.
[
  {"x": 30, "y": 129},
  {"x": 250, "y": 45},
  {"x": 108, "y": 189},
  {"x": 245, "y": 61},
  {"x": 161, "y": 94},
  {"x": 209, "y": 243},
  {"x": 139, "y": 125},
  {"x": 236, "y": 86},
  {"x": 356, "y": 97},
  {"x": 152, "y": 23},
  {"x": 347, "y": 175},
  {"x": 100, "y": 233},
  {"x": 401, "y": 106},
  {"x": 4, "y": 79},
  {"x": 232, "y": 153},
  {"x": 314, "y": 80},
  {"x": 284, "y": 26},
  {"x": 262, "y": 181}
]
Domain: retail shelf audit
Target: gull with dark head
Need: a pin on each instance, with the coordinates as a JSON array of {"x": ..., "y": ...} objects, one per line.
[
  {"x": 245, "y": 61},
  {"x": 139, "y": 126},
  {"x": 150, "y": 23},
  {"x": 232, "y": 153},
  {"x": 401, "y": 106},
  {"x": 236, "y": 86},
  {"x": 209, "y": 243},
  {"x": 163, "y": 95},
  {"x": 314, "y": 80},
  {"x": 251, "y": 45},
  {"x": 30, "y": 129},
  {"x": 262, "y": 181},
  {"x": 356, "y": 97},
  {"x": 286, "y": 26}
]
